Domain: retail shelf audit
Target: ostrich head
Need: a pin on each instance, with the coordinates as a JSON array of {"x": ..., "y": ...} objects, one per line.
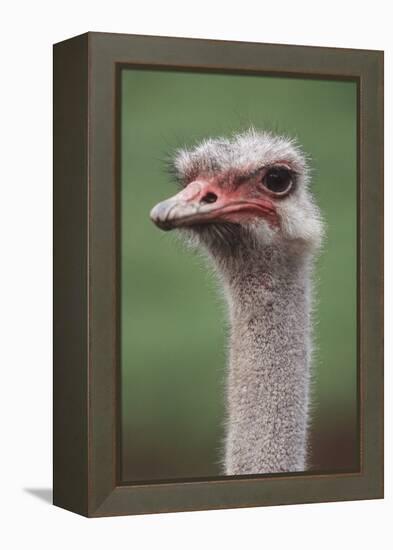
[{"x": 243, "y": 193}]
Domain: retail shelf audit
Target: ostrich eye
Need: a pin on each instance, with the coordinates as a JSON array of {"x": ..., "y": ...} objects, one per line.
[{"x": 278, "y": 180}]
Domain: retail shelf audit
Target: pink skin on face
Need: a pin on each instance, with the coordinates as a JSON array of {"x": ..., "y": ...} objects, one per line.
[{"x": 206, "y": 200}]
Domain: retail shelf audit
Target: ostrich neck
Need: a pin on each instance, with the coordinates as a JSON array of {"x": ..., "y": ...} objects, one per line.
[{"x": 268, "y": 381}]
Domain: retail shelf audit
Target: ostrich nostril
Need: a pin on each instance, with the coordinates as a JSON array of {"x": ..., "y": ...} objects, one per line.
[{"x": 209, "y": 198}]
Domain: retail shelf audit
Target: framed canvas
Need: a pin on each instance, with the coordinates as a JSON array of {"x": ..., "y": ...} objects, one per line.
[{"x": 218, "y": 274}]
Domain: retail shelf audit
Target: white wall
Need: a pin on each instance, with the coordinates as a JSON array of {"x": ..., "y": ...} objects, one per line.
[{"x": 27, "y": 31}]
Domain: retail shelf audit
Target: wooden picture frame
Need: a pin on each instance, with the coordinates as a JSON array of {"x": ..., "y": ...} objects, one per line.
[{"x": 86, "y": 289}]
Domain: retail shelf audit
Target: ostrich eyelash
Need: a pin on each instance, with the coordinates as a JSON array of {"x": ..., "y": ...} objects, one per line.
[
  {"x": 262, "y": 170},
  {"x": 293, "y": 173}
]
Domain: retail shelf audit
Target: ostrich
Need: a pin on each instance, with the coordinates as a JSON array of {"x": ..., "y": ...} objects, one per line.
[{"x": 246, "y": 201}]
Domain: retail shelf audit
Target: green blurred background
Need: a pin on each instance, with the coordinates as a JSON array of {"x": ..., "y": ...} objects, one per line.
[{"x": 172, "y": 329}]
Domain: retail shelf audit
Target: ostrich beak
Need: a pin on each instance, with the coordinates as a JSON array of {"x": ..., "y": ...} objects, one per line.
[{"x": 202, "y": 202}]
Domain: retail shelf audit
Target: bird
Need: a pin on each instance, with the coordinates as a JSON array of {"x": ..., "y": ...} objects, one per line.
[{"x": 246, "y": 202}]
